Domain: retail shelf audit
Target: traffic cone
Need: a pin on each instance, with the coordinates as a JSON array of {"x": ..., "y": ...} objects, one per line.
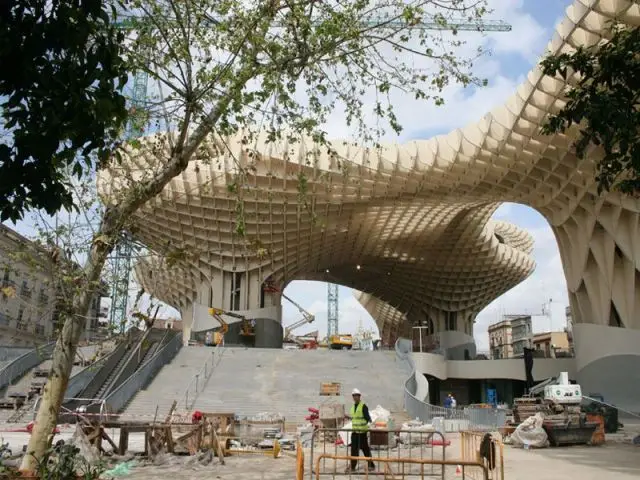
[{"x": 458, "y": 471}]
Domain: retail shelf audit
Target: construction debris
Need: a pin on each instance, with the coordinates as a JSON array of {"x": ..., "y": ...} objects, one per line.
[
  {"x": 406, "y": 438},
  {"x": 530, "y": 433}
]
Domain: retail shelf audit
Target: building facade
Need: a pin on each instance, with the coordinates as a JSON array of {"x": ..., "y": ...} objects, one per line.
[
  {"x": 28, "y": 313},
  {"x": 552, "y": 344},
  {"x": 509, "y": 337}
]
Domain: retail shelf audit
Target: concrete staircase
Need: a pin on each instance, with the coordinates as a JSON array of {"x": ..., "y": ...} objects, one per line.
[
  {"x": 249, "y": 381},
  {"x": 22, "y": 385},
  {"x": 169, "y": 384},
  {"x": 252, "y": 381}
]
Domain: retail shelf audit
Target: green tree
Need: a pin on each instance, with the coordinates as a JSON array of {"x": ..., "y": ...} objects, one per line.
[
  {"x": 60, "y": 98},
  {"x": 236, "y": 68},
  {"x": 603, "y": 105}
]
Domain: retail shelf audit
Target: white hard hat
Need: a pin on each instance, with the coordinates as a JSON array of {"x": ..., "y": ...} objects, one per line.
[{"x": 356, "y": 392}]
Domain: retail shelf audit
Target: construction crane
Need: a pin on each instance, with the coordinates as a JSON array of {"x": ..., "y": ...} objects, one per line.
[
  {"x": 306, "y": 318},
  {"x": 332, "y": 310},
  {"x": 124, "y": 250},
  {"x": 218, "y": 337}
]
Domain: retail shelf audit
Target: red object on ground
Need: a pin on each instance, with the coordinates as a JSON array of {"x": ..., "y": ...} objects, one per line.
[
  {"x": 29, "y": 429},
  {"x": 196, "y": 417},
  {"x": 438, "y": 442},
  {"x": 313, "y": 410},
  {"x": 339, "y": 441}
]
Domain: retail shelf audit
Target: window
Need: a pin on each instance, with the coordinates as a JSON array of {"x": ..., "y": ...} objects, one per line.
[
  {"x": 262, "y": 297},
  {"x": 450, "y": 321},
  {"x": 236, "y": 284},
  {"x": 43, "y": 299},
  {"x": 20, "y": 324},
  {"x": 24, "y": 290},
  {"x": 39, "y": 329}
]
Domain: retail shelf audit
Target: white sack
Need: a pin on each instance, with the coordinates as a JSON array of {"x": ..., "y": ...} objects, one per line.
[{"x": 530, "y": 433}]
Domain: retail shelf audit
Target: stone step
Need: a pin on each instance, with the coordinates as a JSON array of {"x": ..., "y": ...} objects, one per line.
[{"x": 253, "y": 381}]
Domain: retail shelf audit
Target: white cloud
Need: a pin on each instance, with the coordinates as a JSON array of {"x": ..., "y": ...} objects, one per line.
[
  {"x": 527, "y": 37},
  {"x": 526, "y": 40}
]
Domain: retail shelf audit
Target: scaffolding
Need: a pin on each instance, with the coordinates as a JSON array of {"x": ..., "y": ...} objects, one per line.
[{"x": 332, "y": 309}]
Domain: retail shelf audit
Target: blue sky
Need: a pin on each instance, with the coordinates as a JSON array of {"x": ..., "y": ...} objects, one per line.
[{"x": 513, "y": 55}]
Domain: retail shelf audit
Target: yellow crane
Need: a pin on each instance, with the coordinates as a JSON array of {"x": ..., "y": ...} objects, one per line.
[
  {"x": 248, "y": 329},
  {"x": 306, "y": 318}
]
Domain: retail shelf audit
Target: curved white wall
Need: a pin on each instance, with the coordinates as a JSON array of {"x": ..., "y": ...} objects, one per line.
[
  {"x": 454, "y": 343},
  {"x": 436, "y": 365},
  {"x": 608, "y": 363}
]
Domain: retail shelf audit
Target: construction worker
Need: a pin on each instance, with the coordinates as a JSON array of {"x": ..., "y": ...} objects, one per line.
[{"x": 360, "y": 420}]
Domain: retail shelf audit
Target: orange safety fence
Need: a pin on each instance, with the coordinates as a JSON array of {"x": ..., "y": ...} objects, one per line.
[
  {"x": 384, "y": 444},
  {"x": 491, "y": 454},
  {"x": 398, "y": 468},
  {"x": 299, "y": 461}
]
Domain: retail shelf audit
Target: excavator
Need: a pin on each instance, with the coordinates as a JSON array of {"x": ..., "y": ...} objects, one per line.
[
  {"x": 309, "y": 341},
  {"x": 247, "y": 327}
]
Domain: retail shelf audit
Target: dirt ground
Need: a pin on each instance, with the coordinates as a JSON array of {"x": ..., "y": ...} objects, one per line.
[{"x": 616, "y": 460}]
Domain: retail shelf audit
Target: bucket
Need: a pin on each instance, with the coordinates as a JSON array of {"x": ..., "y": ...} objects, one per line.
[{"x": 598, "y": 435}]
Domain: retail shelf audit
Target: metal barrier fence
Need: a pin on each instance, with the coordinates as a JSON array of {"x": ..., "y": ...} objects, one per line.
[
  {"x": 9, "y": 352},
  {"x": 385, "y": 445},
  {"x": 201, "y": 378},
  {"x": 443, "y": 419},
  {"x": 21, "y": 365},
  {"x": 491, "y": 455},
  {"x": 385, "y": 468},
  {"x": 119, "y": 398},
  {"x": 486, "y": 418}
]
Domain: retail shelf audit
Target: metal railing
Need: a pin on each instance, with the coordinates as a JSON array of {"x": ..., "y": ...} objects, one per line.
[
  {"x": 385, "y": 444},
  {"x": 83, "y": 378},
  {"x": 21, "y": 365},
  {"x": 443, "y": 419},
  {"x": 119, "y": 397},
  {"x": 200, "y": 379},
  {"x": 9, "y": 352},
  {"x": 385, "y": 467}
]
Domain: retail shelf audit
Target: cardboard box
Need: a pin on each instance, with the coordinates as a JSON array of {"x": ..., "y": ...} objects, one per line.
[
  {"x": 332, "y": 388},
  {"x": 331, "y": 411}
]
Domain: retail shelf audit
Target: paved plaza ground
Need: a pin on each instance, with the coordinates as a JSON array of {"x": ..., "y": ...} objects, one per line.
[{"x": 617, "y": 459}]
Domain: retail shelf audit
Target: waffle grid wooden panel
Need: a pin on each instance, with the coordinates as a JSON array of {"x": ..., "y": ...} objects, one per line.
[{"x": 416, "y": 217}]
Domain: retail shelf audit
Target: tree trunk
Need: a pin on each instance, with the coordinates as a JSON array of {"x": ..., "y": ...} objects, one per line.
[
  {"x": 65, "y": 351},
  {"x": 113, "y": 221}
]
